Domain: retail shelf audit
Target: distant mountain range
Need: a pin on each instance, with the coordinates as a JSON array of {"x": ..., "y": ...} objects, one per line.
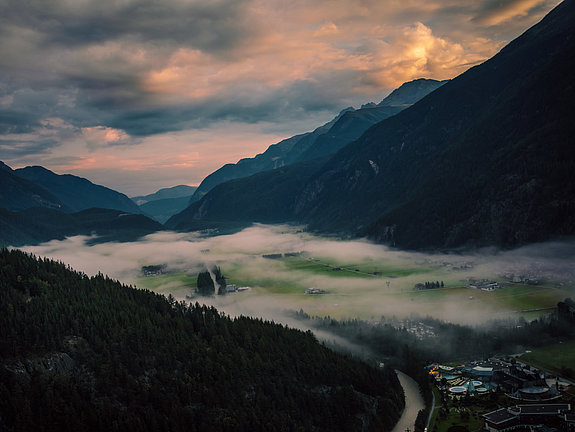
[
  {"x": 347, "y": 126},
  {"x": 179, "y": 191},
  {"x": 65, "y": 192},
  {"x": 38, "y": 205},
  {"x": 166, "y": 202},
  {"x": 40, "y": 224},
  {"x": 486, "y": 159}
]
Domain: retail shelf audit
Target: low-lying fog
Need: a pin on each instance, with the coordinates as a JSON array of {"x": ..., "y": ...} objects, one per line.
[{"x": 360, "y": 279}]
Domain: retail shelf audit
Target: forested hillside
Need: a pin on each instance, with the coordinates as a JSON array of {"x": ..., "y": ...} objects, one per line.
[{"x": 88, "y": 353}]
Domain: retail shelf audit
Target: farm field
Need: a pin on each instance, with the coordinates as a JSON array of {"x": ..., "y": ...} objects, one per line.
[
  {"x": 556, "y": 358},
  {"x": 365, "y": 289}
]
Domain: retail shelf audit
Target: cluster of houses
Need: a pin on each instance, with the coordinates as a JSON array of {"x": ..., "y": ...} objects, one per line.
[
  {"x": 519, "y": 381},
  {"x": 153, "y": 270},
  {"x": 536, "y": 393},
  {"x": 482, "y": 284},
  {"x": 234, "y": 289},
  {"x": 315, "y": 291}
]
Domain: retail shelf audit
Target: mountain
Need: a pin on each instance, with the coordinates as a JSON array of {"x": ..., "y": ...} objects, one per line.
[
  {"x": 347, "y": 126},
  {"x": 179, "y": 191},
  {"x": 166, "y": 202},
  {"x": 17, "y": 193},
  {"x": 162, "y": 209},
  {"x": 277, "y": 155},
  {"x": 411, "y": 92},
  {"x": 352, "y": 124},
  {"x": 266, "y": 197},
  {"x": 90, "y": 354},
  {"x": 77, "y": 193},
  {"x": 37, "y": 225},
  {"x": 485, "y": 159}
]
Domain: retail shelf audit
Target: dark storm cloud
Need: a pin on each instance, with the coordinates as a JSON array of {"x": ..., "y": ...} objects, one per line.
[
  {"x": 10, "y": 148},
  {"x": 97, "y": 74},
  {"x": 243, "y": 103},
  {"x": 209, "y": 25}
]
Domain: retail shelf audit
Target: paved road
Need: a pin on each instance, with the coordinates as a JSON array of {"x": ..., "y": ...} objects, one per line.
[{"x": 413, "y": 403}]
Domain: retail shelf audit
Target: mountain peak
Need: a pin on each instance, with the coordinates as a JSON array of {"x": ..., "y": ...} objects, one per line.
[
  {"x": 412, "y": 91},
  {"x": 5, "y": 167}
]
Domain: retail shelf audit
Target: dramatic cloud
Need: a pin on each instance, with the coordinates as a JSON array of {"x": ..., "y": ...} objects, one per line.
[{"x": 79, "y": 77}]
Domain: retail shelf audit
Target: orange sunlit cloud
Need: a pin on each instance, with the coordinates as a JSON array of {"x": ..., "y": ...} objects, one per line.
[
  {"x": 507, "y": 11},
  {"x": 172, "y": 92}
]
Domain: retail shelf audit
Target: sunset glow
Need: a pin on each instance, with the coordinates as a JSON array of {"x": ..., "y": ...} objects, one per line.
[{"x": 184, "y": 87}]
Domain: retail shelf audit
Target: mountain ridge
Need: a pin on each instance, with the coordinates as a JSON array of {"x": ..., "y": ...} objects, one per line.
[
  {"x": 77, "y": 193},
  {"x": 324, "y": 140},
  {"x": 483, "y": 160}
]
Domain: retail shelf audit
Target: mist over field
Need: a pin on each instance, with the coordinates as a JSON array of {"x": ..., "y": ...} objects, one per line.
[{"x": 360, "y": 279}]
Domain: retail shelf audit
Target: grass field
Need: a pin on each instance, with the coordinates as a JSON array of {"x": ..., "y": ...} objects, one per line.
[
  {"x": 368, "y": 289},
  {"x": 554, "y": 358}
]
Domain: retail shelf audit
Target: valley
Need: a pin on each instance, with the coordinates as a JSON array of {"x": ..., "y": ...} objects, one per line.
[{"x": 358, "y": 279}]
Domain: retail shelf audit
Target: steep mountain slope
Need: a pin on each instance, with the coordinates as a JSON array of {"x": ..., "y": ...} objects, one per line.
[
  {"x": 37, "y": 225},
  {"x": 266, "y": 197},
  {"x": 90, "y": 354},
  {"x": 347, "y": 126},
  {"x": 353, "y": 124},
  {"x": 77, "y": 193},
  {"x": 486, "y": 159},
  {"x": 276, "y": 155},
  {"x": 17, "y": 193}
]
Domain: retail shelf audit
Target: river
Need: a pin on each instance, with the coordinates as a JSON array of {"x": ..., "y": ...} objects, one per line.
[{"x": 413, "y": 403}]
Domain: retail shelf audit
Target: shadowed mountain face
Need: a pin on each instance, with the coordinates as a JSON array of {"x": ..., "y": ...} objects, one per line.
[
  {"x": 37, "y": 225},
  {"x": 486, "y": 159},
  {"x": 266, "y": 197},
  {"x": 347, "y": 126},
  {"x": 30, "y": 213},
  {"x": 17, "y": 193},
  {"x": 77, "y": 193}
]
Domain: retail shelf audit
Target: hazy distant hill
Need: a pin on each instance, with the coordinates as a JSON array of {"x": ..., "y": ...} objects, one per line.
[
  {"x": 77, "y": 193},
  {"x": 166, "y": 202},
  {"x": 347, "y": 126},
  {"x": 486, "y": 159},
  {"x": 37, "y": 225},
  {"x": 17, "y": 193},
  {"x": 163, "y": 209},
  {"x": 179, "y": 191}
]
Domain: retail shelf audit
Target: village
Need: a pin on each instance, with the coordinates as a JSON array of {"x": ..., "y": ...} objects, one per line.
[{"x": 500, "y": 395}]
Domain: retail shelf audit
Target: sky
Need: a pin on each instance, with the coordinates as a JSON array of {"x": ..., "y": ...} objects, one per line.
[{"x": 138, "y": 95}]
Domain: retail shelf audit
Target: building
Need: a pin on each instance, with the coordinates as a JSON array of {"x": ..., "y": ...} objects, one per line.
[{"x": 557, "y": 416}]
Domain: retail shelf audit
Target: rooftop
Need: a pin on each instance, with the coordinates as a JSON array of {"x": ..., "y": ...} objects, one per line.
[
  {"x": 544, "y": 408},
  {"x": 499, "y": 416}
]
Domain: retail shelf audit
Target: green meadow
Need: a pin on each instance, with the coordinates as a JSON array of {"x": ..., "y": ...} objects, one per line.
[
  {"x": 555, "y": 358},
  {"x": 368, "y": 289}
]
